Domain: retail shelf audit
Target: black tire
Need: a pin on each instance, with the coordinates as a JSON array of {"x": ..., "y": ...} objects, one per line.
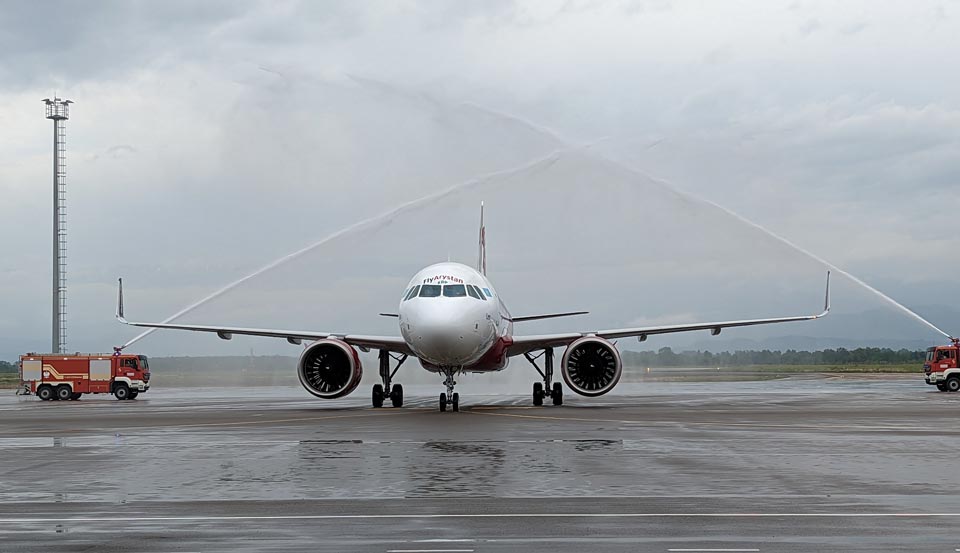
[
  {"x": 134, "y": 394},
  {"x": 75, "y": 396},
  {"x": 45, "y": 393},
  {"x": 121, "y": 392},
  {"x": 396, "y": 395},
  {"x": 942, "y": 387},
  {"x": 377, "y": 395},
  {"x": 456, "y": 402},
  {"x": 64, "y": 393},
  {"x": 538, "y": 393},
  {"x": 953, "y": 384},
  {"x": 557, "y": 394},
  {"x": 443, "y": 402}
]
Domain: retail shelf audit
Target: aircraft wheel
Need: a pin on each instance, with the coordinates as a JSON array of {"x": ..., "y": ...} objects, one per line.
[
  {"x": 64, "y": 393},
  {"x": 378, "y": 395},
  {"x": 953, "y": 384},
  {"x": 456, "y": 402},
  {"x": 45, "y": 393},
  {"x": 557, "y": 394},
  {"x": 443, "y": 401},
  {"x": 538, "y": 393},
  {"x": 396, "y": 395}
]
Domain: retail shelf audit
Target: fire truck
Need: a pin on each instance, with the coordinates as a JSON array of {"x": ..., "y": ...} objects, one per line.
[
  {"x": 940, "y": 367},
  {"x": 67, "y": 377}
]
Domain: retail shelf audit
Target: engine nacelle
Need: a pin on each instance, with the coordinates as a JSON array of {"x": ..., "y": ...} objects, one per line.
[
  {"x": 329, "y": 368},
  {"x": 591, "y": 366}
]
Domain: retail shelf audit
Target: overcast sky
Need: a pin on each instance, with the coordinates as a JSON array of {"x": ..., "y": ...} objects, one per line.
[{"x": 209, "y": 138}]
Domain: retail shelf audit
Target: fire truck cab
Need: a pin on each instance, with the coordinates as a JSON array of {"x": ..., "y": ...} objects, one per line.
[
  {"x": 940, "y": 367},
  {"x": 66, "y": 377}
]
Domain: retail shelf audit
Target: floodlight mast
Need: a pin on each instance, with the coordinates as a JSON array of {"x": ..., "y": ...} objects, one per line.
[{"x": 58, "y": 110}]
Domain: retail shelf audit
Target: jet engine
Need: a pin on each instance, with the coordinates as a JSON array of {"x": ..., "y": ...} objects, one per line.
[
  {"x": 591, "y": 366},
  {"x": 329, "y": 368}
]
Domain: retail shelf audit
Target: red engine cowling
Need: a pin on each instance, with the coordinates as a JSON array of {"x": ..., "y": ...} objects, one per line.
[
  {"x": 329, "y": 368},
  {"x": 591, "y": 366}
]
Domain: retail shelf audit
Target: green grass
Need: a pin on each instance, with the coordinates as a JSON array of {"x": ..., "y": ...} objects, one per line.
[
  {"x": 852, "y": 368},
  {"x": 9, "y": 380}
]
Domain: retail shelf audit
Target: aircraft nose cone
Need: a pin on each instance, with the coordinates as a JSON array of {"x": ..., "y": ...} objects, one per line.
[{"x": 446, "y": 345}]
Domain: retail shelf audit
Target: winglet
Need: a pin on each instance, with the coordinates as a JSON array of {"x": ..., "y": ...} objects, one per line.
[
  {"x": 826, "y": 301},
  {"x": 120, "y": 302}
]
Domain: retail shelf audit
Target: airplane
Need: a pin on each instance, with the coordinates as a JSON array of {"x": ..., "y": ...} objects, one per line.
[{"x": 453, "y": 321}]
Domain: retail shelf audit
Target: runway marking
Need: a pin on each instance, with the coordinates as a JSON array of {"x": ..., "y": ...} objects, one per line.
[
  {"x": 694, "y": 549},
  {"x": 721, "y": 424},
  {"x": 429, "y": 550},
  {"x": 714, "y": 549},
  {"x": 239, "y": 518}
]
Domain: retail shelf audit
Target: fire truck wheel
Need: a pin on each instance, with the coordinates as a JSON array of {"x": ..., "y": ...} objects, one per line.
[
  {"x": 121, "y": 392},
  {"x": 942, "y": 387},
  {"x": 64, "y": 392},
  {"x": 45, "y": 393},
  {"x": 76, "y": 396},
  {"x": 133, "y": 394},
  {"x": 953, "y": 384}
]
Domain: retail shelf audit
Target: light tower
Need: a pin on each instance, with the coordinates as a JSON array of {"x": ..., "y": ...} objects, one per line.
[{"x": 59, "y": 111}]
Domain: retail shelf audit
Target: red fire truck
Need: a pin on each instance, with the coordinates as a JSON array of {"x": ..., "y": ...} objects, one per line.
[
  {"x": 940, "y": 367},
  {"x": 63, "y": 376}
]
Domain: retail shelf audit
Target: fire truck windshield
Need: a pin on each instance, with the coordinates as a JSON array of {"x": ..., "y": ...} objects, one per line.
[
  {"x": 143, "y": 362},
  {"x": 930, "y": 354}
]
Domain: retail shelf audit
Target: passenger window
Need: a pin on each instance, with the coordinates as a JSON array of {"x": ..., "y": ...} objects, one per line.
[
  {"x": 455, "y": 291},
  {"x": 473, "y": 292},
  {"x": 430, "y": 291},
  {"x": 412, "y": 293}
]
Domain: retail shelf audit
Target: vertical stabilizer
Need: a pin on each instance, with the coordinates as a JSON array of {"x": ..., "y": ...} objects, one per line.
[{"x": 482, "y": 256}]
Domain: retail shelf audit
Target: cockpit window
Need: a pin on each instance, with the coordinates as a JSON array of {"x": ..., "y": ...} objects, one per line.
[
  {"x": 430, "y": 291},
  {"x": 455, "y": 291},
  {"x": 472, "y": 290},
  {"x": 487, "y": 292},
  {"x": 412, "y": 293}
]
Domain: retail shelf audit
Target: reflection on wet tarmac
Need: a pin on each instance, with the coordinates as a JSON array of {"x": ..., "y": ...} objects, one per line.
[{"x": 803, "y": 444}]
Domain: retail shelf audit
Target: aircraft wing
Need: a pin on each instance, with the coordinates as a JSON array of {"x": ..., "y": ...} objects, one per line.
[
  {"x": 391, "y": 343},
  {"x": 524, "y": 344}
]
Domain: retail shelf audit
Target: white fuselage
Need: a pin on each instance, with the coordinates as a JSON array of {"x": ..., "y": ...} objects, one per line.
[{"x": 451, "y": 317}]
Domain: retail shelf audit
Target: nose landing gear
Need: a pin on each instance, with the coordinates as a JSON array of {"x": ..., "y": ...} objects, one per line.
[
  {"x": 449, "y": 397},
  {"x": 547, "y": 388},
  {"x": 386, "y": 375}
]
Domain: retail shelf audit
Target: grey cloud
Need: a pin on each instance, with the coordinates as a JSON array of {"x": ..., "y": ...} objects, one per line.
[{"x": 66, "y": 41}]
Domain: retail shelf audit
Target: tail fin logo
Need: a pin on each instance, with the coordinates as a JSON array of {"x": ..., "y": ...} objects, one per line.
[{"x": 482, "y": 257}]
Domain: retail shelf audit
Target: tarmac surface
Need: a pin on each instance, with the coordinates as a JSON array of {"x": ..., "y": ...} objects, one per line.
[{"x": 806, "y": 463}]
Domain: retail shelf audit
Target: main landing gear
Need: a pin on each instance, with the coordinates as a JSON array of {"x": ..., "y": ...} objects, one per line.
[
  {"x": 547, "y": 388},
  {"x": 449, "y": 397},
  {"x": 386, "y": 375}
]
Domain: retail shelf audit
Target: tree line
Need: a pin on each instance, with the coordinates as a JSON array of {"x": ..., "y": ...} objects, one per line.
[
  {"x": 666, "y": 357},
  {"x": 7, "y": 367}
]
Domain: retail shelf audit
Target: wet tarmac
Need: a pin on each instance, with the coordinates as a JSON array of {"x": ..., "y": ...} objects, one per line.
[{"x": 798, "y": 464}]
